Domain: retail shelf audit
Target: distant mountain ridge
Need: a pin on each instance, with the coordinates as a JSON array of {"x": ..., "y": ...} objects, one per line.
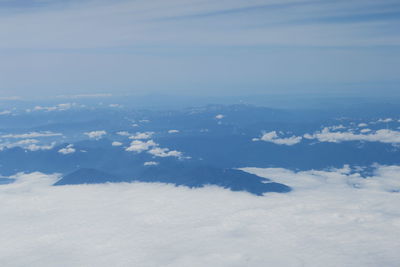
[{"x": 235, "y": 180}]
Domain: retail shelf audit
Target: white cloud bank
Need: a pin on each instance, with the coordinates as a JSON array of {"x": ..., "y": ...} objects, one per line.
[
  {"x": 383, "y": 136},
  {"x": 323, "y": 222},
  {"x": 273, "y": 137}
]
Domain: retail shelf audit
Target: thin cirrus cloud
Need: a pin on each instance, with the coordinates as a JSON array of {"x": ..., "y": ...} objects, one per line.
[
  {"x": 331, "y": 218},
  {"x": 156, "y": 20},
  {"x": 197, "y": 44},
  {"x": 31, "y": 135}
]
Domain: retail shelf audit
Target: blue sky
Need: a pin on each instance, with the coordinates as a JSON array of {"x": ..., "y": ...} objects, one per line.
[{"x": 199, "y": 47}]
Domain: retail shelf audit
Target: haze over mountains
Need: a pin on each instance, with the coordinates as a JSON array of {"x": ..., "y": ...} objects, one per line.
[{"x": 90, "y": 142}]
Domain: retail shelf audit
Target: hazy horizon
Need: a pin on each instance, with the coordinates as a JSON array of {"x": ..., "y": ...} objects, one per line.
[{"x": 199, "y": 47}]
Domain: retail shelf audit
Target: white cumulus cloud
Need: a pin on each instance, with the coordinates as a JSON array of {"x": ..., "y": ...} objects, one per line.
[
  {"x": 382, "y": 135},
  {"x": 140, "y": 146},
  {"x": 67, "y": 150},
  {"x": 116, "y": 143},
  {"x": 123, "y": 133},
  {"x": 5, "y": 112},
  {"x": 154, "y": 149},
  {"x": 27, "y": 144},
  {"x": 164, "y": 152},
  {"x": 96, "y": 134},
  {"x": 143, "y": 136},
  {"x": 273, "y": 137},
  {"x": 150, "y": 163}
]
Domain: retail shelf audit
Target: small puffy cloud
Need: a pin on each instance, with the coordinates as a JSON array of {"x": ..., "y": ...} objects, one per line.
[
  {"x": 114, "y": 105},
  {"x": 173, "y": 131},
  {"x": 273, "y": 137},
  {"x": 27, "y": 144},
  {"x": 22, "y": 143},
  {"x": 96, "y": 134},
  {"x": 153, "y": 148},
  {"x": 219, "y": 117},
  {"x": 336, "y": 127},
  {"x": 142, "y": 136},
  {"x": 5, "y": 112},
  {"x": 59, "y": 107},
  {"x": 164, "y": 152},
  {"x": 365, "y": 130},
  {"x": 150, "y": 163},
  {"x": 123, "y": 133},
  {"x": 116, "y": 143},
  {"x": 31, "y": 135},
  {"x": 362, "y": 125},
  {"x": 67, "y": 150},
  {"x": 383, "y": 136},
  {"x": 85, "y": 96},
  {"x": 36, "y": 147},
  {"x": 140, "y": 146},
  {"x": 385, "y": 120}
]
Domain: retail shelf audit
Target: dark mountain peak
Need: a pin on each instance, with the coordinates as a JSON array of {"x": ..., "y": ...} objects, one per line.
[{"x": 86, "y": 176}]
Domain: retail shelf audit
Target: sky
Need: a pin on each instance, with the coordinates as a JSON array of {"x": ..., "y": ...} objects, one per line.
[{"x": 199, "y": 47}]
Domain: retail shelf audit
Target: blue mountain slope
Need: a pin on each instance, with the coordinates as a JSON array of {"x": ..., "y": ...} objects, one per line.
[
  {"x": 235, "y": 180},
  {"x": 213, "y": 148},
  {"x": 87, "y": 176},
  {"x": 6, "y": 181}
]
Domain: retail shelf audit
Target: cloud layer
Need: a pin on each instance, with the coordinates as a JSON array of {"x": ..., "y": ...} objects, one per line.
[{"x": 323, "y": 222}]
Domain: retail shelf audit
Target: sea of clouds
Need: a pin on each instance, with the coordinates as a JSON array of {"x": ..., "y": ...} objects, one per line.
[{"x": 331, "y": 218}]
